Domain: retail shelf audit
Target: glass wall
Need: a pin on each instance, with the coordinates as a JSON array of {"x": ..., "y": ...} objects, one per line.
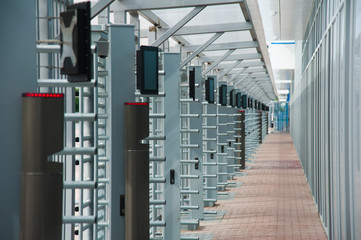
[
  {"x": 280, "y": 116},
  {"x": 325, "y": 113}
]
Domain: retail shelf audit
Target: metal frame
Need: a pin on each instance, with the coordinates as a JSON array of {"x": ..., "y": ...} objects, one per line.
[{"x": 178, "y": 30}]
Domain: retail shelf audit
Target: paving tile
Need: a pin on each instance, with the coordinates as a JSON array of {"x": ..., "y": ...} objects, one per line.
[{"x": 271, "y": 199}]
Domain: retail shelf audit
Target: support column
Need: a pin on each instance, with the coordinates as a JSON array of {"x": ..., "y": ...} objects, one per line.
[
  {"x": 172, "y": 146},
  {"x": 121, "y": 90}
]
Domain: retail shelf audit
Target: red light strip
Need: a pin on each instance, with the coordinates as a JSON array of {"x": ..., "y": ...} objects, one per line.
[
  {"x": 136, "y": 103},
  {"x": 241, "y": 111},
  {"x": 44, "y": 95}
]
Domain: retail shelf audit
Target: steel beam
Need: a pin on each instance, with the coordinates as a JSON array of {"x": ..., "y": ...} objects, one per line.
[
  {"x": 256, "y": 70},
  {"x": 228, "y": 27},
  {"x": 250, "y": 12},
  {"x": 242, "y": 65},
  {"x": 259, "y": 74},
  {"x": 234, "y": 57},
  {"x": 224, "y": 46},
  {"x": 136, "y": 5},
  {"x": 177, "y": 26},
  {"x": 237, "y": 83},
  {"x": 232, "y": 79},
  {"x": 261, "y": 79},
  {"x": 153, "y": 18},
  {"x": 99, "y": 7},
  {"x": 222, "y": 74},
  {"x": 200, "y": 49},
  {"x": 219, "y": 60},
  {"x": 157, "y": 21}
]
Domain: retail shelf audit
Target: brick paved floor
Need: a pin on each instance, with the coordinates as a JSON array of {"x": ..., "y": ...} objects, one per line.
[{"x": 273, "y": 202}]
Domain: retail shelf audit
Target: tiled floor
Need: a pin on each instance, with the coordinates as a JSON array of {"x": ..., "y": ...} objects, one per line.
[{"x": 273, "y": 202}]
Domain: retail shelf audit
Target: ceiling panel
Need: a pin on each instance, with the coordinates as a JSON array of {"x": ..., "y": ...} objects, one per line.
[{"x": 284, "y": 19}]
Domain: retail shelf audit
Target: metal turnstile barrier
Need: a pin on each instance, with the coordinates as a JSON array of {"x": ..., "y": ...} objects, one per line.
[{"x": 192, "y": 194}]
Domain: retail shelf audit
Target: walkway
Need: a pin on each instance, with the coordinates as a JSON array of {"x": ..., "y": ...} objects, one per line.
[{"x": 273, "y": 202}]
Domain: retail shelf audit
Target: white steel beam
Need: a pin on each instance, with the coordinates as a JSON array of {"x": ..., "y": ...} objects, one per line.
[
  {"x": 228, "y": 27},
  {"x": 260, "y": 74},
  {"x": 157, "y": 21},
  {"x": 99, "y": 7},
  {"x": 234, "y": 57},
  {"x": 219, "y": 60},
  {"x": 256, "y": 70},
  {"x": 238, "y": 82},
  {"x": 177, "y": 26},
  {"x": 224, "y": 46},
  {"x": 251, "y": 13},
  {"x": 222, "y": 74},
  {"x": 233, "y": 78},
  {"x": 136, "y": 5},
  {"x": 244, "y": 64},
  {"x": 200, "y": 49},
  {"x": 153, "y": 18}
]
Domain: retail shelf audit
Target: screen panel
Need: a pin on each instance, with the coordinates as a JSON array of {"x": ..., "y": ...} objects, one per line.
[
  {"x": 244, "y": 101},
  {"x": 210, "y": 90},
  {"x": 192, "y": 92},
  {"x": 147, "y": 70},
  {"x": 223, "y": 95},
  {"x": 232, "y": 98},
  {"x": 239, "y": 100}
]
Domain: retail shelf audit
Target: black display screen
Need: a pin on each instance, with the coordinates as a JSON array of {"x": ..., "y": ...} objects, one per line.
[
  {"x": 244, "y": 101},
  {"x": 210, "y": 90},
  {"x": 192, "y": 92},
  {"x": 239, "y": 100},
  {"x": 223, "y": 95},
  {"x": 147, "y": 70},
  {"x": 232, "y": 98}
]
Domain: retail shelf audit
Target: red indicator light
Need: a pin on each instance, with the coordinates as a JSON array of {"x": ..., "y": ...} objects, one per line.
[
  {"x": 136, "y": 103},
  {"x": 44, "y": 95},
  {"x": 241, "y": 111}
]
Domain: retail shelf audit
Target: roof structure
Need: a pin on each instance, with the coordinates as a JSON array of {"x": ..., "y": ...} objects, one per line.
[{"x": 225, "y": 36}]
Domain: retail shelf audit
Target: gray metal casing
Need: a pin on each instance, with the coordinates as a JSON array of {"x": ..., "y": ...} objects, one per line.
[
  {"x": 121, "y": 90},
  {"x": 136, "y": 126},
  {"x": 41, "y": 181},
  {"x": 172, "y": 144}
]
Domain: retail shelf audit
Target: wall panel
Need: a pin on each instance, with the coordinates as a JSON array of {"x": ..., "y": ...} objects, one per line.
[{"x": 325, "y": 113}]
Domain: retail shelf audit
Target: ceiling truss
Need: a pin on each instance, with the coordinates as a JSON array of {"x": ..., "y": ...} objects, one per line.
[{"x": 255, "y": 78}]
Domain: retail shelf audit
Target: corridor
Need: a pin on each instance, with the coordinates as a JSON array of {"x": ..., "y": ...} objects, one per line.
[{"x": 273, "y": 200}]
